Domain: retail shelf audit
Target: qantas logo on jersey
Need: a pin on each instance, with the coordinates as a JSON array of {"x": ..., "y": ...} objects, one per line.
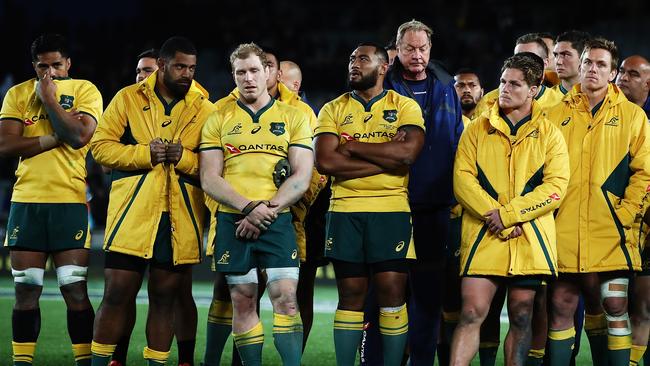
[
  {"x": 373, "y": 134},
  {"x": 347, "y": 136},
  {"x": 231, "y": 149},
  {"x": 254, "y": 147},
  {"x": 548, "y": 201},
  {"x": 34, "y": 119}
]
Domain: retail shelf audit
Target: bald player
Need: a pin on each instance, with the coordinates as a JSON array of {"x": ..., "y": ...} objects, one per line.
[
  {"x": 634, "y": 81},
  {"x": 290, "y": 75}
]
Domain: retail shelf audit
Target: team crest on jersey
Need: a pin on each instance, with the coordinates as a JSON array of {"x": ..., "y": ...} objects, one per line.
[
  {"x": 390, "y": 115},
  {"x": 14, "y": 233},
  {"x": 66, "y": 101},
  {"x": 277, "y": 128},
  {"x": 612, "y": 122},
  {"x": 348, "y": 119},
  {"x": 236, "y": 130}
]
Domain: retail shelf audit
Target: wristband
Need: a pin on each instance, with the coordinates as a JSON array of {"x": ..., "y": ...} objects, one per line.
[
  {"x": 251, "y": 206},
  {"x": 48, "y": 141}
]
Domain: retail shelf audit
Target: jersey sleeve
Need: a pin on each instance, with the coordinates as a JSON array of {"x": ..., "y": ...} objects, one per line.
[
  {"x": 326, "y": 122},
  {"x": 89, "y": 101},
  {"x": 13, "y": 107},
  {"x": 211, "y": 133},
  {"x": 410, "y": 114},
  {"x": 301, "y": 135}
]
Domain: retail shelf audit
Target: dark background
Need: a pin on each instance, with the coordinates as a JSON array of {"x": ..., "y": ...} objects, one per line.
[{"x": 105, "y": 38}]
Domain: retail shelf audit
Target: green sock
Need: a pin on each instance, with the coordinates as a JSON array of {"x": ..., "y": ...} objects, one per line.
[
  {"x": 218, "y": 330},
  {"x": 393, "y": 326},
  {"x": 101, "y": 353},
  {"x": 487, "y": 353},
  {"x": 348, "y": 329},
  {"x": 287, "y": 338},
  {"x": 535, "y": 357},
  {"x": 249, "y": 345},
  {"x": 619, "y": 349},
  {"x": 596, "y": 329},
  {"x": 560, "y": 345}
]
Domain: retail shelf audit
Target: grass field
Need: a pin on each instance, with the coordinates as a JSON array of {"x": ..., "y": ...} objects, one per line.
[{"x": 54, "y": 344}]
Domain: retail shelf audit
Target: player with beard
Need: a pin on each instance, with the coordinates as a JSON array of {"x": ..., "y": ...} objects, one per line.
[
  {"x": 148, "y": 137},
  {"x": 366, "y": 139},
  {"x": 469, "y": 90},
  {"x": 185, "y": 314}
]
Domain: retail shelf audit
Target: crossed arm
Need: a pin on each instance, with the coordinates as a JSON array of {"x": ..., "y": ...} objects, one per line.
[{"x": 356, "y": 159}]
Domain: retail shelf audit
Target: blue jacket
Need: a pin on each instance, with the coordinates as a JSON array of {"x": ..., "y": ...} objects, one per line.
[{"x": 430, "y": 181}]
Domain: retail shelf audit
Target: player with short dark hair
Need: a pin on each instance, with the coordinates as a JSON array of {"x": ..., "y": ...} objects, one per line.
[
  {"x": 567, "y": 51},
  {"x": 47, "y": 122},
  {"x": 148, "y": 137},
  {"x": 366, "y": 139}
]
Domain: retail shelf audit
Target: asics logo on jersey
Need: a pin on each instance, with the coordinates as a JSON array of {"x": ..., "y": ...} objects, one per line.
[
  {"x": 347, "y": 120},
  {"x": 79, "y": 235},
  {"x": 492, "y": 130},
  {"x": 225, "y": 258},
  {"x": 146, "y": 108},
  {"x": 612, "y": 122},
  {"x": 167, "y": 123},
  {"x": 367, "y": 118},
  {"x": 256, "y": 129},
  {"x": 232, "y": 149},
  {"x": 400, "y": 246},
  {"x": 294, "y": 254},
  {"x": 566, "y": 121},
  {"x": 534, "y": 134}
]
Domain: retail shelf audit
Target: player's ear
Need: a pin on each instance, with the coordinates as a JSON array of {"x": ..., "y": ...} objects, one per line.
[{"x": 161, "y": 63}]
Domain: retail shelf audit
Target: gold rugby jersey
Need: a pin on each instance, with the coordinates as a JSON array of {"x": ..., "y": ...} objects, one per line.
[
  {"x": 377, "y": 121},
  {"x": 57, "y": 175},
  {"x": 253, "y": 143}
]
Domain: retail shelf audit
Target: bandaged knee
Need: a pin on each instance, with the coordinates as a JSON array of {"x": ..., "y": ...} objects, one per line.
[
  {"x": 284, "y": 273},
  {"x": 250, "y": 277},
  {"x": 29, "y": 276},
  {"x": 617, "y": 325},
  {"x": 70, "y": 274}
]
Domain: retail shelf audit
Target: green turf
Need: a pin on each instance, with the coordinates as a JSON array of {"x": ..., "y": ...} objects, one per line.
[{"x": 54, "y": 345}]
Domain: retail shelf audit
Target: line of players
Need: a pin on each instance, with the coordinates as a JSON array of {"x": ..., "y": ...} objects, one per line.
[{"x": 149, "y": 157}]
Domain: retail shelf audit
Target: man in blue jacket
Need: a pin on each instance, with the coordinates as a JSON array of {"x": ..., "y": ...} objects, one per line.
[{"x": 430, "y": 183}]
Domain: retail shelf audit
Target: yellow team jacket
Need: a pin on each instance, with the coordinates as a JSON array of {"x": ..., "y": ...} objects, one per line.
[
  {"x": 610, "y": 176},
  {"x": 300, "y": 209},
  {"x": 121, "y": 142},
  {"x": 545, "y": 98},
  {"x": 524, "y": 176}
]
